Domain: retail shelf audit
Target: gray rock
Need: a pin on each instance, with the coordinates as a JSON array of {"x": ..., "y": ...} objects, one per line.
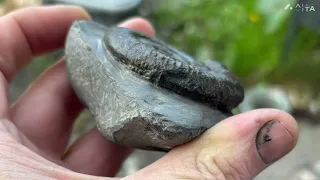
[
  {"x": 166, "y": 67},
  {"x": 125, "y": 87}
]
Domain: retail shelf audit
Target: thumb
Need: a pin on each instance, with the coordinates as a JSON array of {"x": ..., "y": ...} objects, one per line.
[{"x": 237, "y": 148}]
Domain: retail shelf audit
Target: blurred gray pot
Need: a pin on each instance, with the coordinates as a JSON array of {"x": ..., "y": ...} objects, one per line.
[
  {"x": 107, "y": 12},
  {"x": 263, "y": 96}
]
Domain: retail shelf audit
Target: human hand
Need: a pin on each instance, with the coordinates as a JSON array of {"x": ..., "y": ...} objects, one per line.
[{"x": 34, "y": 132}]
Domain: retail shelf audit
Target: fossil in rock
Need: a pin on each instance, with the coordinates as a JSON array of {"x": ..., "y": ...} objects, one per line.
[{"x": 144, "y": 93}]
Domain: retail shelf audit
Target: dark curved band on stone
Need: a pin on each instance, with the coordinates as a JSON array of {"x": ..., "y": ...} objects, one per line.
[
  {"x": 166, "y": 67},
  {"x": 130, "y": 110}
]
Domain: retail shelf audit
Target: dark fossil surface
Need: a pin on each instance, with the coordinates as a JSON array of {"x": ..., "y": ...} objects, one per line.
[{"x": 144, "y": 93}]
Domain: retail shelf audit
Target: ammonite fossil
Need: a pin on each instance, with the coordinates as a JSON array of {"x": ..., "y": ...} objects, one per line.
[{"x": 144, "y": 93}]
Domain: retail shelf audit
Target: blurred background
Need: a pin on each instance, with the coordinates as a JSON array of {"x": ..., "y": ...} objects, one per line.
[{"x": 273, "y": 46}]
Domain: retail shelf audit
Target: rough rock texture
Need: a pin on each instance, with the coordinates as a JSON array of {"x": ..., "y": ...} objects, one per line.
[
  {"x": 164, "y": 66},
  {"x": 129, "y": 108}
]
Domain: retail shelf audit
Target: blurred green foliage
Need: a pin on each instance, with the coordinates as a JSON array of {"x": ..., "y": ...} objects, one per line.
[{"x": 247, "y": 36}]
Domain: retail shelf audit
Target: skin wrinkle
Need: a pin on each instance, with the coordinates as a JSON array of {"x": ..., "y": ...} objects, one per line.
[
  {"x": 10, "y": 69},
  {"x": 209, "y": 162},
  {"x": 15, "y": 137},
  {"x": 221, "y": 152},
  {"x": 231, "y": 172},
  {"x": 178, "y": 167},
  {"x": 20, "y": 162},
  {"x": 239, "y": 173},
  {"x": 16, "y": 20},
  {"x": 204, "y": 170},
  {"x": 5, "y": 69},
  {"x": 32, "y": 163},
  {"x": 8, "y": 128},
  {"x": 247, "y": 161},
  {"x": 239, "y": 142},
  {"x": 4, "y": 104},
  {"x": 191, "y": 168},
  {"x": 247, "y": 166}
]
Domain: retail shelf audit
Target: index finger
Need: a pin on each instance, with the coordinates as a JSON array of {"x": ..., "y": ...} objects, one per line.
[{"x": 33, "y": 31}]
